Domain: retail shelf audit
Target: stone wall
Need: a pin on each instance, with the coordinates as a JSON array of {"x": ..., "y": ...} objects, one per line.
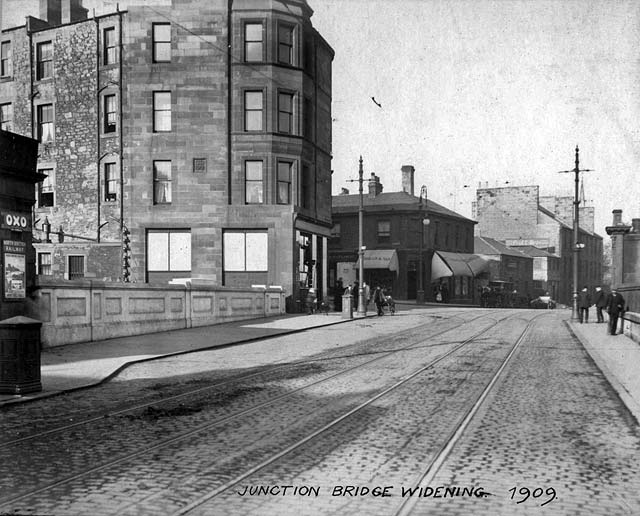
[{"x": 85, "y": 311}]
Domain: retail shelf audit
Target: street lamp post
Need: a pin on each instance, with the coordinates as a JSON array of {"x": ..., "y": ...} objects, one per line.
[
  {"x": 361, "y": 306},
  {"x": 577, "y": 246},
  {"x": 423, "y": 223}
]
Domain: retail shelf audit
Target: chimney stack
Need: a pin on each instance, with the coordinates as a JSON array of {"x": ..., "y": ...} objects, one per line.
[
  {"x": 375, "y": 187},
  {"x": 635, "y": 223},
  {"x": 50, "y": 11},
  {"x": 407, "y": 178},
  {"x": 73, "y": 11}
]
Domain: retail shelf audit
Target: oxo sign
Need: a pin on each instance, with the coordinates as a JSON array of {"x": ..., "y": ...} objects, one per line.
[{"x": 15, "y": 221}]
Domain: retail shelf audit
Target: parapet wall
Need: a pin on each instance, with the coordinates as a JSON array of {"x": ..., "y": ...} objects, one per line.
[{"x": 85, "y": 311}]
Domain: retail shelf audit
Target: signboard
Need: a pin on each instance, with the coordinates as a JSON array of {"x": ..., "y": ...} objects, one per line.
[
  {"x": 14, "y": 269},
  {"x": 15, "y": 221}
]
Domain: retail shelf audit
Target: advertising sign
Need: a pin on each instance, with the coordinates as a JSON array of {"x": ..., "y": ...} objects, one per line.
[
  {"x": 15, "y": 221},
  {"x": 14, "y": 269}
]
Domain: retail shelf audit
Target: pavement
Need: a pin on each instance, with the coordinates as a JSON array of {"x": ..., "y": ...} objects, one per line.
[
  {"x": 617, "y": 356},
  {"x": 80, "y": 366}
]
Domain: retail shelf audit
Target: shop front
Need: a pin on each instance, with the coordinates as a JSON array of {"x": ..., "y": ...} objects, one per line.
[{"x": 453, "y": 276}]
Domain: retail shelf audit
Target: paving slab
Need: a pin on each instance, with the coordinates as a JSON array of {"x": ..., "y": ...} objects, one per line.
[{"x": 617, "y": 356}]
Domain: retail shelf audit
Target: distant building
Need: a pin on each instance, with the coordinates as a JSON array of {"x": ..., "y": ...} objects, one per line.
[
  {"x": 507, "y": 264},
  {"x": 183, "y": 140},
  {"x": 546, "y": 271},
  {"x": 515, "y": 216},
  {"x": 392, "y": 229}
]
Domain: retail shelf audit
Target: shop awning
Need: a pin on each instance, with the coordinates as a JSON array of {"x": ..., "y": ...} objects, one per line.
[
  {"x": 380, "y": 259},
  {"x": 446, "y": 264}
]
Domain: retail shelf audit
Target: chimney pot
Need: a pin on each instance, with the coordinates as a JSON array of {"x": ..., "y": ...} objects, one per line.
[{"x": 617, "y": 217}]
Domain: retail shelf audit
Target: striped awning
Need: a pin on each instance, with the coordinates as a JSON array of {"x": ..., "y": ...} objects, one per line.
[{"x": 446, "y": 264}]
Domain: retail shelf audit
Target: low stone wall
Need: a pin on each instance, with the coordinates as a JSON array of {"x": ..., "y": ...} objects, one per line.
[
  {"x": 84, "y": 311},
  {"x": 631, "y": 325}
]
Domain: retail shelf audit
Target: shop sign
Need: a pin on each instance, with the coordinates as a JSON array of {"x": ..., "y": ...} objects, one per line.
[
  {"x": 15, "y": 221},
  {"x": 14, "y": 269}
]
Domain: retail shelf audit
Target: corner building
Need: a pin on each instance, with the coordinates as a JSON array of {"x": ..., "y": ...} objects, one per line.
[{"x": 188, "y": 139}]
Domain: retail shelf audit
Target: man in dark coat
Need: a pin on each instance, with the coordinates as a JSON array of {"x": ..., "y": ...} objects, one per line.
[
  {"x": 584, "y": 302},
  {"x": 600, "y": 300},
  {"x": 615, "y": 308},
  {"x": 378, "y": 299}
]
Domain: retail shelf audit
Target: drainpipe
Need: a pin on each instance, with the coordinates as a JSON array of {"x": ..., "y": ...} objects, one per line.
[
  {"x": 98, "y": 112},
  {"x": 33, "y": 125},
  {"x": 229, "y": 100},
  {"x": 120, "y": 123}
]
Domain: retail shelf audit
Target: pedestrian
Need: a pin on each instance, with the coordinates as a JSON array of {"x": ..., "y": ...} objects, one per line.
[
  {"x": 615, "y": 309},
  {"x": 584, "y": 302},
  {"x": 337, "y": 295},
  {"x": 311, "y": 301},
  {"x": 355, "y": 292},
  {"x": 600, "y": 300},
  {"x": 367, "y": 295},
  {"x": 445, "y": 293},
  {"x": 378, "y": 299}
]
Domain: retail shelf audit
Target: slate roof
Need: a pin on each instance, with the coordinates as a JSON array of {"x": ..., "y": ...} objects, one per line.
[
  {"x": 390, "y": 201},
  {"x": 491, "y": 246},
  {"x": 534, "y": 252}
]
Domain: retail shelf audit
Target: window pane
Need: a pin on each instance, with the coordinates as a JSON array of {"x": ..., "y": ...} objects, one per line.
[
  {"x": 162, "y": 121},
  {"x": 162, "y": 192},
  {"x": 162, "y": 100},
  {"x": 253, "y": 99},
  {"x": 157, "y": 251},
  {"x": 180, "y": 251},
  {"x": 233, "y": 251},
  {"x": 253, "y": 32},
  {"x": 162, "y": 170},
  {"x": 284, "y": 171},
  {"x": 163, "y": 52},
  {"x": 285, "y": 102},
  {"x": 253, "y": 170},
  {"x": 256, "y": 251},
  {"x": 253, "y": 192},
  {"x": 254, "y": 121},
  {"x": 162, "y": 32},
  {"x": 254, "y": 52},
  {"x": 283, "y": 193}
]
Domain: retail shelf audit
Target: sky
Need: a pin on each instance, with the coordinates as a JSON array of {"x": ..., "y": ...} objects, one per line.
[{"x": 490, "y": 92}]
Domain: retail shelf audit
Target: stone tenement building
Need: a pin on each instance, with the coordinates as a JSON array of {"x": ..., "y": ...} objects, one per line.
[
  {"x": 517, "y": 216},
  {"x": 196, "y": 133}
]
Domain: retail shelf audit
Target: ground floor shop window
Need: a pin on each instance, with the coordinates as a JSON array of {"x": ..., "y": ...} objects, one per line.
[
  {"x": 168, "y": 254},
  {"x": 245, "y": 251}
]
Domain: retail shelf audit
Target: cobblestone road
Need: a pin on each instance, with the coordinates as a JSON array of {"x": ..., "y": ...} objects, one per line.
[{"x": 552, "y": 422}]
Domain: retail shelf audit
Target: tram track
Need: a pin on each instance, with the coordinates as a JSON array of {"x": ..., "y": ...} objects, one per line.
[
  {"x": 186, "y": 435},
  {"x": 217, "y": 385},
  {"x": 408, "y": 503}
]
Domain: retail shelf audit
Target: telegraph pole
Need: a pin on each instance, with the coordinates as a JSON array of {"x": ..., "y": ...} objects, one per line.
[
  {"x": 361, "y": 307},
  {"x": 577, "y": 245}
]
